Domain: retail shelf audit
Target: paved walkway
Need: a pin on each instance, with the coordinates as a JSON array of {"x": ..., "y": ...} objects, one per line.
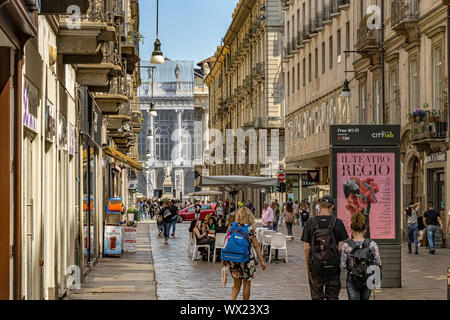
[
  {"x": 177, "y": 277},
  {"x": 130, "y": 277}
]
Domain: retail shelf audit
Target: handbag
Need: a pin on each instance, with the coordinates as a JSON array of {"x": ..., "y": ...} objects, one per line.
[{"x": 159, "y": 219}]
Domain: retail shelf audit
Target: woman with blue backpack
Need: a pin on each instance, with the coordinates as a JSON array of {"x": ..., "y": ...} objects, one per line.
[
  {"x": 238, "y": 252},
  {"x": 358, "y": 256}
]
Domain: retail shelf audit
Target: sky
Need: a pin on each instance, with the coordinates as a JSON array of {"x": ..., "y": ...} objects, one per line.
[{"x": 188, "y": 29}]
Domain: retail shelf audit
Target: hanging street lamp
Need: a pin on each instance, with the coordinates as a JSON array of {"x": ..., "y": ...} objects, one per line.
[{"x": 157, "y": 56}]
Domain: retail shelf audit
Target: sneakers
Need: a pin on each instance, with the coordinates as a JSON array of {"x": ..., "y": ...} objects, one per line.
[
  {"x": 417, "y": 252},
  {"x": 173, "y": 235},
  {"x": 432, "y": 251},
  {"x": 166, "y": 241}
]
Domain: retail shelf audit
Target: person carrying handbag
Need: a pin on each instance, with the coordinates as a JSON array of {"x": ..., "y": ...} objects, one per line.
[{"x": 289, "y": 219}]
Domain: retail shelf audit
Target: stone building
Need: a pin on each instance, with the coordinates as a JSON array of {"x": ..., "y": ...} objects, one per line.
[
  {"x": 72, "y": 84},
  {"x": 316, "y": 33},
  {"x": 245, "y": 88},
  {"x": 415, "y": 78},
  {"x": 168, "y": 138},
  {"x": 398, "y": 74}
]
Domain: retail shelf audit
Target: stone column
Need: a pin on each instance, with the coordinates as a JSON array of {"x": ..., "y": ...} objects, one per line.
[{"x": 180, "y": 136}]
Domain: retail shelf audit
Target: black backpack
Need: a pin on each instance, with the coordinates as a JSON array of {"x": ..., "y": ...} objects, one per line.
[
  {"x": 305, "y": 215},
  {"x": 324, "y": 257},
  {"x": 361, "y": 258}
]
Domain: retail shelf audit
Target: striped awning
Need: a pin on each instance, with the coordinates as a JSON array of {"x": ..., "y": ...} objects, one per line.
[{"x": 122, "y": 158}]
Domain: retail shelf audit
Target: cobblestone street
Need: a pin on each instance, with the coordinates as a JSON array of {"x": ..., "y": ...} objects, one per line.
[{"x": 177, "y": 277}]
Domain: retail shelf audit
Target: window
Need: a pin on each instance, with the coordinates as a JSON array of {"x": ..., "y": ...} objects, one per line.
[
  {"x": 331, "y": 52},
  {"x": 298, "y": 76},
  {"x": 437, "y": 77},
  {"x": 376, "y": 101},
  {"x": 309, "y": 69},
  {"x": 413, "y": 85},
  {"x": 298, "y": 20},
  {"x": 339, "y": 42},
  {"x": 287, "y": 82},
  {"x": 304, "y": 71},
  {"x": 293, "y": 80},
  {"x": 362, "y": 104},
  {"x": 316, "y": 61},
  {"x": 323, "y": 57},
  {"x": 393, "y": 96}
]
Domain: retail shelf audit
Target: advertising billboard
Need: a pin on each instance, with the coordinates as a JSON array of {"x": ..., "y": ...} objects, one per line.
[{"x": 365, "y": 183}]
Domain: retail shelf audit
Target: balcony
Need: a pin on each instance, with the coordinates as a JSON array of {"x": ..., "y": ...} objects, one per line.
[
  {"x": 334, "y": 8},
  {"x": 299, "y": 42},
  {"x": 82, "y": 45},
  {"x": 59, "y": 7},
  {"x": 319, "y": 24},
  {"x": 110, "y": 102},
  {"x": 130, "y": 50},
  {"x": 313, "y": 32},
  {"x": 429, "y": 131},
  {"x": 326, "y": 13},
  {"x": 306, "y": 33},
  {"x": 404, "y": 14},
  {"x": 344, "y": 4},
  {"x": 137, "y": 120},
  {"x": 97, "y": 76},
  {"x": 368, "y": 40}
]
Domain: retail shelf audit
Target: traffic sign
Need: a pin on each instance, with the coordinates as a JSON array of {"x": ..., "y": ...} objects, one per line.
[
  {"x": 281, "y": 169},
  {"x": 281, "y": 177}
]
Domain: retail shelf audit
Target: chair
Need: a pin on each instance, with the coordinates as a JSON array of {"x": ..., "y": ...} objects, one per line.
[
  {"x": 196, "y": 247},
  {"x": 266, "y": 241},
  {"x": 220, "y": 243},
  {"x": 278, "y": 241},
  {"x": 191, "y": 242}
]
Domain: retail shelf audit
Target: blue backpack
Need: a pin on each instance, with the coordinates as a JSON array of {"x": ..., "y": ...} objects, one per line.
[{"x": 238, "y": 245}]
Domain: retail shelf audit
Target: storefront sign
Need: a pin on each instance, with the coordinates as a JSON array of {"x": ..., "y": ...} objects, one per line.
[
  {"x": 62, "y": 131},
  {"x": 113, "y": 240},
  {"x": 366, "y": 183},
  {"x": 50, "y": 122},
  {"x": 313, "y": 176},
  {"x": 129, "y": 239},
  {"x": 30, "y": 107},
  {"x": 365, "y": 135},
  {"x": 436, "y": 157},
  {"x": 71, "y": 139}
]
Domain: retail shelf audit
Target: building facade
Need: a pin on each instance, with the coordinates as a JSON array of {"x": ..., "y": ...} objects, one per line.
[
  {"x": 416, "y": 92},
  {"x": 316, "y": 35},
  {"x": 245, "y": 93},
  {"x": 73, "y": 82},
  {"x": 397, "y": 73},
  {"x": 167, "y": 139}
]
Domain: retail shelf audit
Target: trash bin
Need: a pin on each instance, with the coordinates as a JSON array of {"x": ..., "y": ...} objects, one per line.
[{"x": 138, "y": 215}]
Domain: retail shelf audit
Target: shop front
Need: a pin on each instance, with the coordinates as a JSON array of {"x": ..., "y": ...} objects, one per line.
[
  {"x": 435, "y": 164},
  {"x": 91, "y": 130},
  {"x": 17, "y": 26}
]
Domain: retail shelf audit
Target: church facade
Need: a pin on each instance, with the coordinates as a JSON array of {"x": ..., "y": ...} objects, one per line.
[{"x": 167, "y": 140}]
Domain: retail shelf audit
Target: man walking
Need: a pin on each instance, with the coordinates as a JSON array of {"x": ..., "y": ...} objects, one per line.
[
  {"x": 323, "y": 237},
  {"x": 267, "y": 216},
  {"x": 174, "y": 210},
  {"x": 431, "y": 220},
  {"x": 412, "y": 225}
]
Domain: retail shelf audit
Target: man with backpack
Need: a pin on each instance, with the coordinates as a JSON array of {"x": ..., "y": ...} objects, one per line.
[
  {"x": 323, "y": 236},
  {"x": 174, "y": 210}
]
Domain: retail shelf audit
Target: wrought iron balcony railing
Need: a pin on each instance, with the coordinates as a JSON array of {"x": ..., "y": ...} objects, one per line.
[
  {"x": 326, "y": 13},
  {"x": 334, "y": 7},
  {"x": 432, "y": 125},
  {"x": 368, "y": 38},
  {"x": 404, "y": 13}
]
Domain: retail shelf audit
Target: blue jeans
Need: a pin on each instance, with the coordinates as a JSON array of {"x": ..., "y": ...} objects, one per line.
[
  {"x": 357, "y": 293},
  {"x": 174, "y": 224},
  {"x": 431, "y": 233},
  {"x": 160, "y": 227},
  {"x": 275, "y": 226},
  {"x": 269, "y": 227},
  {"x": 166, "y": 226},
  {"x": 145, "y": 215},
  {"x": 412, "y": 236}
]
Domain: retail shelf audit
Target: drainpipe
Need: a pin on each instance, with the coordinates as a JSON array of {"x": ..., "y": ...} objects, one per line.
[
  {"x": 448, "y": 62},
  {"x": 383, "y": 71}
]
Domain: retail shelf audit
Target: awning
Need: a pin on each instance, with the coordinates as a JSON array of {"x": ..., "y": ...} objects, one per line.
[
  {"x": 205, "y": 193},
  {"x": 122, "y": 158},
  {"x": 237, "y": 183}
]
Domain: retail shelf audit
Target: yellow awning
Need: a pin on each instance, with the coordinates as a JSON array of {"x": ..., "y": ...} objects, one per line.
[{"x": 122, "y": 158}]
